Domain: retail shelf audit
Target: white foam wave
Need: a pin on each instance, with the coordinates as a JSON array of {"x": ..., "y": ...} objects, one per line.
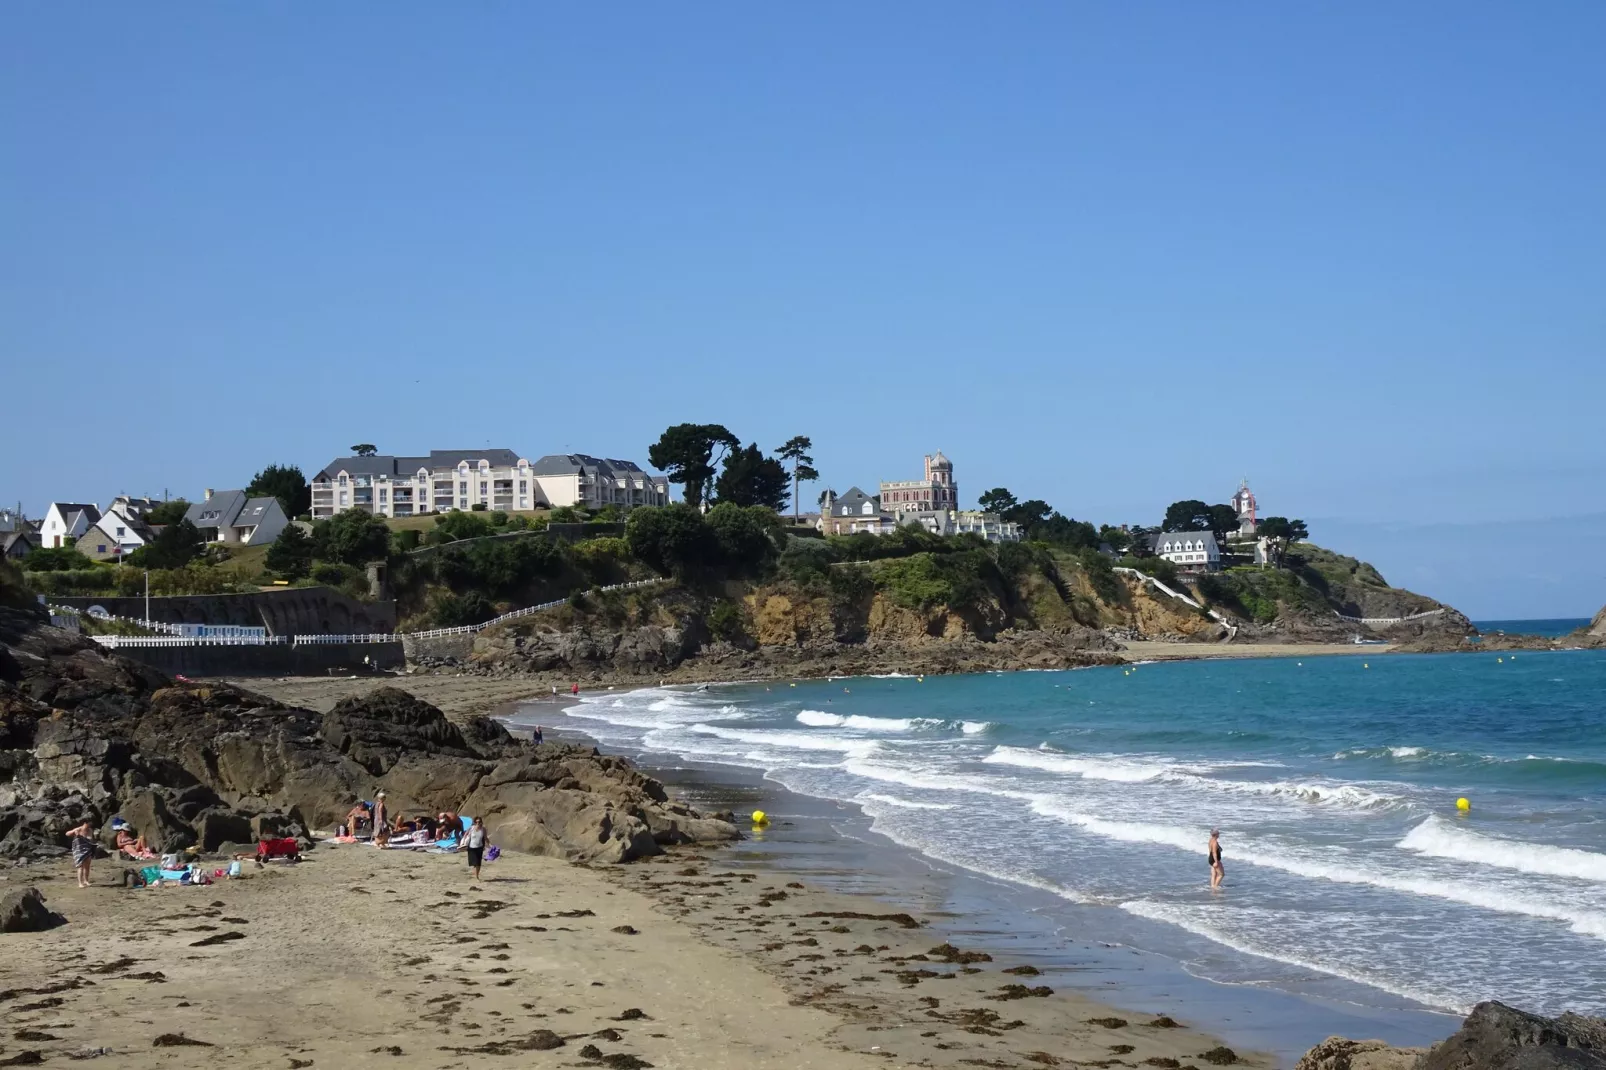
[
  {"x": 905, "y": 804},
  {"x": 1487, "y": 897},
  {"x": 788, "y": 740},
  {"x": 1131, "y": 771},
  {"x": 1184, "y": 918},
  {"x": 974, "y": 728},
  {"x": 1437, "y": 838},
  {"x": 821, "y": 719},
  {"x": 1116, "y": 769}
]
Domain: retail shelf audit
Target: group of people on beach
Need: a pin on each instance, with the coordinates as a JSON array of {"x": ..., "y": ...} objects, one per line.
[{"x": 446, "y": 828}]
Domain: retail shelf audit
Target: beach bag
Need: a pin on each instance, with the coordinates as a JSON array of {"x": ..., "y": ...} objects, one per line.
[{"x": 172, "y": 862}]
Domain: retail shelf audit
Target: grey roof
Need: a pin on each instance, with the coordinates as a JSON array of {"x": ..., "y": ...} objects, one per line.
[
  {"x": 11, "y": 538},
  {"x": 451, "y": 458},
  {"x": 217, "y": 511},
  {"x": 379, "y": 465},
  {"x": 385, "y": 464},
  {"x": 1208, "y": 539},
  {"x": 851, "y": 503},
  {"x": 568, "y": 464},
  {"x": 255, "y": 509},
  {"x": 69, "y": 509}
]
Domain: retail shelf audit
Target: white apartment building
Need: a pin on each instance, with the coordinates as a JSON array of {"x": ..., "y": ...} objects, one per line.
[
  {"x": 497, "y": 479},
  {"x": 587, "y": 482}
]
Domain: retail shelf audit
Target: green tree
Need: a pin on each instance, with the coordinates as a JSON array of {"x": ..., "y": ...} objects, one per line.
[
  {"x": 286, "y": 483},
  {"x": 750, "y": 478},
  {"x": 1064, "y": 531},
  {"x": 998, "y": 500},
  {"x": 364, "y": 449},
  {"x": 1223, "y": 518},
  {"x": 796, "y": 450},
  {"x": 1119, "y": 540},
  {"x": 56, "y": 559},
  {"x": 746, "y": 536},
  {"x": 167, "y": 513},
  {"x": 674, "y": 540},
  {"x": 566, "y": 514},
  {"x": 454, "y": 524},
  {"x": 1189, "y": 515},
  {"x": 686, "y": 452},
  {"x": 290, "y": 556},
  {"x": 174, "y": 546},
  {"x": 1282, "y": 532},
  {"x": 351, "y": 538},
  {"x": 1030, "y": 513}
]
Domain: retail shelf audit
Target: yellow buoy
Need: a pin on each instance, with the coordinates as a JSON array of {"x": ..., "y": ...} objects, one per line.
[
  {"x": 1463, "y": 805},
  {"x": 793, "y": 685},
  {"x": 1499, "y": 661},
  {"x": 760, "y": 817},
  {"x": 1365, "y": 666}
]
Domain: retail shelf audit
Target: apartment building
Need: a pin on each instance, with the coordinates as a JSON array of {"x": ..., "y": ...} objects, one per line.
[
  {"x": 498, "y": 479},
  {"x": 587, "y": 482}
]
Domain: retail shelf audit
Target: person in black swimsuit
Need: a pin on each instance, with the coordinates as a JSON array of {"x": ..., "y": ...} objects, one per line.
[{"x": 1214, "y": 855}]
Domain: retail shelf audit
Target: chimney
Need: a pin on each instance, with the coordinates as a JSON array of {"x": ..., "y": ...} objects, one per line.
[{"x": 208, "y": 495}]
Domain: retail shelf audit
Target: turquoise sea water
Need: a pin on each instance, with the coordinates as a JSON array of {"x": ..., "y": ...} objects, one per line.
[
  {"x": 1552, "y": 627},
  {"x": 1333, "y": 781}
]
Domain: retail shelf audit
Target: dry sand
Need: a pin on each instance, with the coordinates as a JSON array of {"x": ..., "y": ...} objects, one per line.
[
  {"x": 1154, "y": 651},
  {"x": 358, "y": 957},
  {"x": 452, "y": 695}
]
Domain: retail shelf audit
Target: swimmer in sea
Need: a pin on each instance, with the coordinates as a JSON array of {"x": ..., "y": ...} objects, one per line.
[{"x": 1214, "y": 856}]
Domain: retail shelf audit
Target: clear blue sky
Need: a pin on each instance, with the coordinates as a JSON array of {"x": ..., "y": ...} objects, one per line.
[{"x": 1107, "y": 255}]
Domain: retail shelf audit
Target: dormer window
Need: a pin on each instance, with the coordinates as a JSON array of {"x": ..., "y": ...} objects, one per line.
[{"x": 343, "y": 479}]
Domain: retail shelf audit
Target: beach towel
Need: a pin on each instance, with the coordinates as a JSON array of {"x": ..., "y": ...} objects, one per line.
[{"x": 151, "y": 874}]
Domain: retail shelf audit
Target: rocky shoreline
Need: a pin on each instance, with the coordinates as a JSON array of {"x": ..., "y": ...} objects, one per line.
[{"x": 86, "y": 735}]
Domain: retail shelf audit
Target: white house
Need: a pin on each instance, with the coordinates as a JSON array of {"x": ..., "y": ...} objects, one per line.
[
  {"x": 113, "y": 536},
  {"x": 67, "y": 522},
  {"x": 1194, "y": 551}
]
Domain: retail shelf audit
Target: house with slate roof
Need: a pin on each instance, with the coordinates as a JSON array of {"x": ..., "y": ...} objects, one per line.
[
  {"x": 1191, "y": 551},
  {"x": 67, "y": 522},
  {"x": 231, "y": 518},
  {"x": 113, "y": 536}
]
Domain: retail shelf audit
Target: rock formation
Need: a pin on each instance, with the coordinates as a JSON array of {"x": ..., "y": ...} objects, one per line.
[
  {"x": 87, "y": 735},
  {"x": 1493, "y": 1037}
]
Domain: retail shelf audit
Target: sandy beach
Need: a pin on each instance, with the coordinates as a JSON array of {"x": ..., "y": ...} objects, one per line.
[{"x": 358, "y": 957}]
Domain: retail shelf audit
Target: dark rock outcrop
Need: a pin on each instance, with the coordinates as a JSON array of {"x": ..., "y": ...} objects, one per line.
[
  {"x": 85, "y": 735},
  {"x": 1493, "y": 1037},
  {"x": 25, "y": 912}
]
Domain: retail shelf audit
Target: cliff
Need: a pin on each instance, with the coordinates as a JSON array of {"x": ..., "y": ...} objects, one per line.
[
  {"x": 85, "y": 735},
  {"x": 975, "y": 609}
]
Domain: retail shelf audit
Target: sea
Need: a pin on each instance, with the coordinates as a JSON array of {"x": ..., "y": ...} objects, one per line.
[
  {"x": 1549, "y": 627},
  {"x": 1351, "y": 872}
]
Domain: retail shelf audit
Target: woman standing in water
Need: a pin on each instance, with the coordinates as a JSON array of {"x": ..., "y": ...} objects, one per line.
[{"x": 1214, "y": 855}]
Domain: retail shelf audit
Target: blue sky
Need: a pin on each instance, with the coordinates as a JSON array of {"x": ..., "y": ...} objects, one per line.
[{"x": 1107, "y": 255}]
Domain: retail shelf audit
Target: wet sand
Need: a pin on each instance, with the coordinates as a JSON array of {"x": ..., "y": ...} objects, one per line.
[
  {"x": 358, "y": 957},
  {"x": 453, "y": 695}
]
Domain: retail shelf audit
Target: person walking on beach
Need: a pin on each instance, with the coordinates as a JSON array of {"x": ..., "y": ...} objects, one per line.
[
  {"x": 380, "y": 816},
  {"x": 83, "y": 850},
  {"x": 474, "y": 841},
  {"x": 1214, "y": 855},
  {"x": 576, "y": 689},
  {"x": 535, "y": 736}
]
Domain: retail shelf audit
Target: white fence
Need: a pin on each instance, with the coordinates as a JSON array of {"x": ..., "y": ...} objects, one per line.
[
  {"x": 148, "y": 625},
  {"x": 115, "y": 641},
  {"x": 1388, "y": 620},
  {"x": 1217, "y": 617}
]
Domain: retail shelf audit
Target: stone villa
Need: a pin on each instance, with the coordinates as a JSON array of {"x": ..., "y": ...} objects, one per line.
[{"x": 931, "y": 503}]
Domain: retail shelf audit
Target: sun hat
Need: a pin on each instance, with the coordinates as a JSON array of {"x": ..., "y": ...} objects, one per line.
[{"x": 118, "y": 824}]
